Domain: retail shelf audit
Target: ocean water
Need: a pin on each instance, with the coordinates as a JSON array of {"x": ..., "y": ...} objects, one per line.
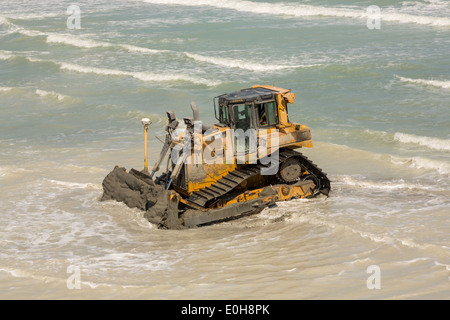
[{"x": 376, "y": 99}]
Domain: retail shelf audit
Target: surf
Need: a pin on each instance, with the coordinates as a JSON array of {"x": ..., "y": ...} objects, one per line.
[
  {"x": 52, "y": 95},
  {"x": 440, "y": 166},
  {"x": 299, "y": 11},
  {"x": 242, "y": 64},
  {"x": 434, "y": 143},
  {"x": 431, "y": 143},
  {"x": 434, "y": 83},
  {"x": 142, "y": 75},
  {"x": 86, "y": 43}
]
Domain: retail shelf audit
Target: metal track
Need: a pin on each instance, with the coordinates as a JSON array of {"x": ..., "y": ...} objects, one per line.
[
  {"x": 236, "y": 177},
  {"x": 225, "y": 184},
  {"x": 324, "y": 186}
]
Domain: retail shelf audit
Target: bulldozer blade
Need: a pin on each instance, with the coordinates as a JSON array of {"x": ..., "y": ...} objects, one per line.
[{"x": 192, "y": 218}]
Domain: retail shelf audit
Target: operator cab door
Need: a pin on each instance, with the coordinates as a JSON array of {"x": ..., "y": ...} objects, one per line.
[
  {"x": 244, "y": 130},
  {"x": 242, "y": 116}
]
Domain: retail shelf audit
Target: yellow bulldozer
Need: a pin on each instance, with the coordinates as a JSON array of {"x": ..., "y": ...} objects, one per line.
[{"x": 236, "y": 167}]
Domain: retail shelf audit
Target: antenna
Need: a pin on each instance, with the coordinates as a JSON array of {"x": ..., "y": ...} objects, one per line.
[{"x": 145, "y": 122}]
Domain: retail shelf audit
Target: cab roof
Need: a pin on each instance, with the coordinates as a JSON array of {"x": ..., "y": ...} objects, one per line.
[{"x": 255, "y": 93}]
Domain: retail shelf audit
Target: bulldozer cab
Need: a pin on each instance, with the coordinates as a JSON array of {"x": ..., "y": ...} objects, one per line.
[{"x": 248, "y": 108}]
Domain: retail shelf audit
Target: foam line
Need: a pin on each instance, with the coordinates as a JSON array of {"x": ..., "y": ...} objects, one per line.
[
  {"x": 143, "y": 76},
  {"x": 300, "y": 10},
  {"x": 434, "y": 83},
  {"x": 432, "y": 143},
  {"x": 241, "y": 64},
  {"x": 79, "y": 42},
  {"x": 51, "y": 94},
  {"x": 442, "y": 167}
]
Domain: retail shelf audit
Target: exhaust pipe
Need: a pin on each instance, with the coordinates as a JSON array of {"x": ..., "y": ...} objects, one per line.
[{"x": 194, "y": 111}]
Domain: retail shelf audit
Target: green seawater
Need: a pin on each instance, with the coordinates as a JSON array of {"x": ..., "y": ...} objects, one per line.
[{"x": 376, "y": 99}]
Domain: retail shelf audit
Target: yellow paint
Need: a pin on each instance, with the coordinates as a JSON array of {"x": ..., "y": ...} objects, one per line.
[
  {"x": 145, "y": 149},
  {"x": 214, "y": 173},
  {"x": 282, "y": 193},
  {"x": 291, "y": 135}
]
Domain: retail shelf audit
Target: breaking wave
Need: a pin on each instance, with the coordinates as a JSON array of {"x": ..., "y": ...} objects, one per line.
[
  {"x": 241, "y": 64},
  {"x": 5, "y": 55},
  {"x": 299, "y": 10},
  {"x": 432, "y": 143},
  {"x": 52, "y": 94},
  {"x": 80, "y": 42},
  {"x": 380, "y": 185},
  {"x": 4, "y": 21},
  {"x": 85, "y": 43},
  {"x": 39, "y": 92},
  {"x": 72, "y": 185},
  {"x": 428, "y": 142},
  {"x": 143, "y": 76},
  {"x": 441, "y": 167},
  {"x": 434, "y": 83}
]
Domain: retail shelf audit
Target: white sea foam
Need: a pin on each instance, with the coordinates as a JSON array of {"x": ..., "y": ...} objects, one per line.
[
  {"x": 416, "y": 19},
  {"x": 299, "y": 10},
  {"x": 4, "y": 21},
  {"x": 143, "y": 76},
  {"x": 68, "y": 39},
  {"x": 83, "y": 42},
  {"x": 31, "y": 33},
  {"x": 89, "y": 43},
  {"x": 432, "y": 143},
  {"x": 442, "y": 167},
  {"x": 386, "y": 238},
  {"x": 4, "y": 55},
  {"x": 381, "y": 185},
  {"x": 75, "y": 41},
  {"x": 72, "y": 185},
  {"x": 33, "y": 16},
  {"x": 434, "y": 83},
  {"x": 17, "y": 273},
  {"x": 242, "y": 64},
  {"x": 51, "y": 94},
  {"x": 4, "y": 89},
  {"x": 13, "y": 170},
  {"x": 382, "y": 134},
  {"x": 428, "y": 142},
  {"x": 424, "y": 163},
  {"x": 131, "y": 48}
]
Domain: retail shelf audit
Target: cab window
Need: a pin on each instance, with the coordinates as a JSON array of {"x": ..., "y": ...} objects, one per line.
[
  {"x": 267, "y": 114},
  {"x": 241, "y": 115},
  {"x": 223, "y": 115}
]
